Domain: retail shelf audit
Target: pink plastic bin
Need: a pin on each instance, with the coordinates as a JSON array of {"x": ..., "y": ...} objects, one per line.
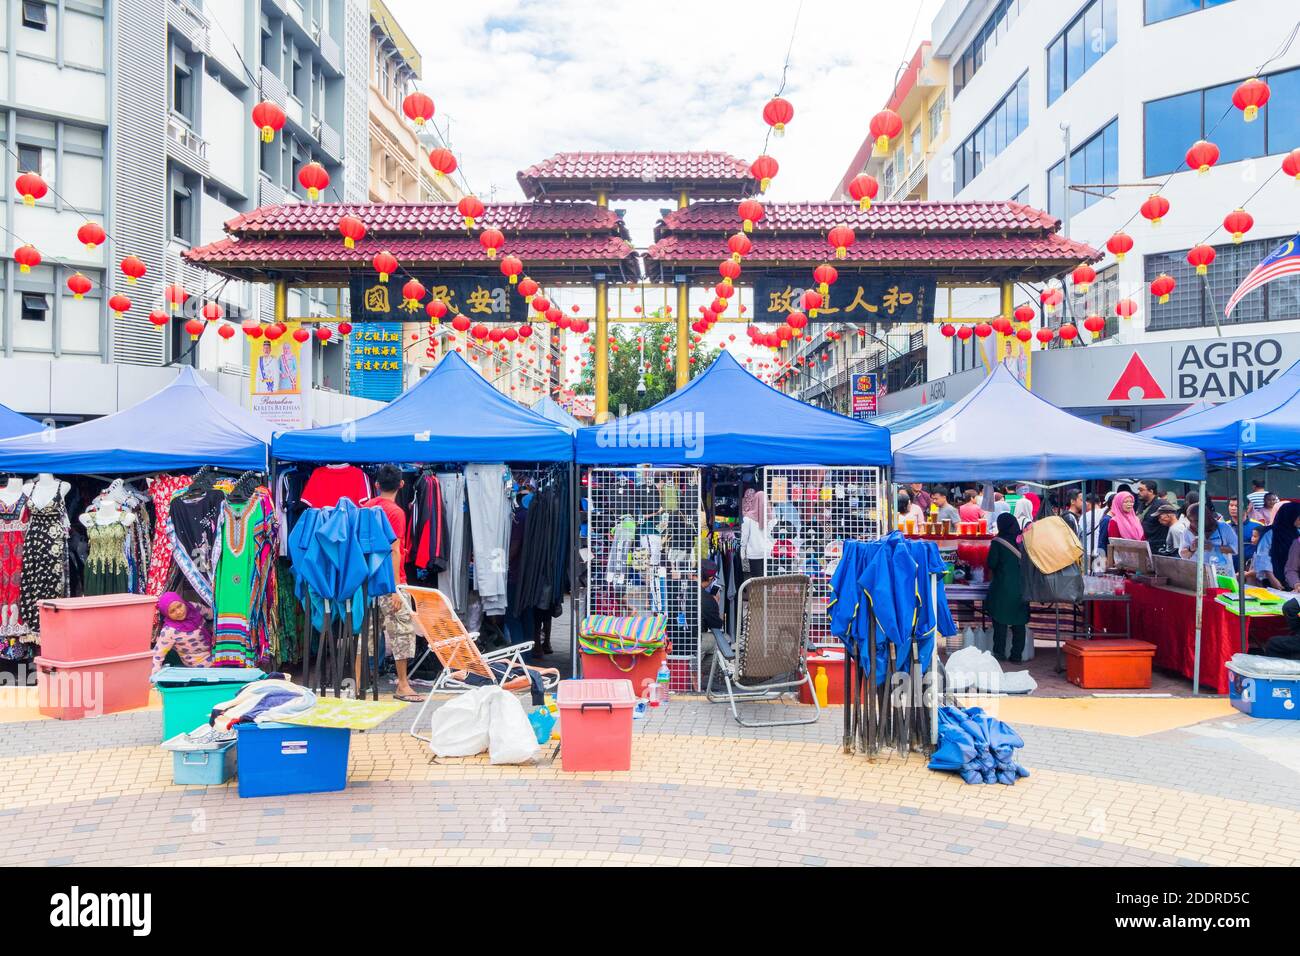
[
  {"x": 595, "y": 724},
  {"x": 108, "y": 625},
  {"x": 637, "y": 668},
  {"x": 71, "y": 690}
]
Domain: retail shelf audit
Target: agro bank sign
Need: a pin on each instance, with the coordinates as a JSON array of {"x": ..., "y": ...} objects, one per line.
[{"x": 1163, "y": 373}]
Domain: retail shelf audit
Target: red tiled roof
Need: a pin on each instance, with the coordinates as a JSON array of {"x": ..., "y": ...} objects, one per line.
[
  {"x": 632, "y": 175},
  {"x": 411, "y": 252},
  {"x": 893, "y": 249},
  {"x": 423, "y": 218},
  {"x": 918, "y": 217}
]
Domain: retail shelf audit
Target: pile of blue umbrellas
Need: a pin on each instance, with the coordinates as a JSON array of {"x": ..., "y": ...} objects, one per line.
[{"x": 977, "y": 747}]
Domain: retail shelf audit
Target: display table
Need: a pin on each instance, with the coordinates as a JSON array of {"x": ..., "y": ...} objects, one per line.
[{"x": 1166, "y": 617}]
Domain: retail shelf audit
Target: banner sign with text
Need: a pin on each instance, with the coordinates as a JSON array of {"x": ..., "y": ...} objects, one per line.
[
  {"x": 376, "y": 361},
  {"x": 478, "y": 298},
  {"x": 860, "y": 298},
  {"x": 865, "y": 395},
  {"x": 276, "y": 377}
]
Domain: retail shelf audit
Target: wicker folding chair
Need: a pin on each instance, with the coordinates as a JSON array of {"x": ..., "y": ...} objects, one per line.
[
  {"x": 460, "y": 657},
  {"x": 768, "y": 657}
]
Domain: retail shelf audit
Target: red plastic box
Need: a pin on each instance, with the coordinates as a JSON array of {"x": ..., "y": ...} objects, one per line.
[
  {"x": 595, "y": 724},
  {"x": 71, "y": 690},
  {"x": 833, "y": 661},
  {"x": 637, "y": 668},
  {"x": 107, "y": 625},
  {"x": 1109, "y": 663}
]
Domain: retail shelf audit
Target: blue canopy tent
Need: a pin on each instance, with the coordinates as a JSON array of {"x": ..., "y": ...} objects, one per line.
[
  {"x": 726, "y": 416},
  {"x": 553, "y": 411},
  {"x": 12, "y": 424},
  {"x": 453, "y": 414},
  {"x": 186, "y": 425},
  {"x": 910, "y": 417}
]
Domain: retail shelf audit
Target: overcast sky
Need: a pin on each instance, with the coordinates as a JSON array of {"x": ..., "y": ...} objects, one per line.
[{"x": 514, "y": 81}]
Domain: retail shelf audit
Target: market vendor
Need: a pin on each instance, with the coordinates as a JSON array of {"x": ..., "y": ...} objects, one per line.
[
  {"x": 1277, "y": 545},
  {"x": 942, "y": 507},
  {"x": 1167, "y": 536}
]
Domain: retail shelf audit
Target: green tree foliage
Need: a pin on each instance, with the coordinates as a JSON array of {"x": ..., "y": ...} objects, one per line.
[{"x": 624, "y": 365}]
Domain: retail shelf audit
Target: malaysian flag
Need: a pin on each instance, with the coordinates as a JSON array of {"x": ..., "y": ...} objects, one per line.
[{"x": 1282, "y": 261}]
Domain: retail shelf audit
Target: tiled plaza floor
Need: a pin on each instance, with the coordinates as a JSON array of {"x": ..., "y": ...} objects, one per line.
[{"x": 703, "y": 791}]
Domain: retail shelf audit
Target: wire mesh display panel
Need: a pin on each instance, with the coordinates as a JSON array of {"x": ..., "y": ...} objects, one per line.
[
  {"x": 812, "y": 512},
  {"x": 644, "y": 525}
]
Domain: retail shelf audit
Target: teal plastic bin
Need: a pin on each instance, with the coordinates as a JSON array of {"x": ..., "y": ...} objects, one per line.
[
  {"x": 204, "y": 768},
  {"x": 189, "y": 693}
]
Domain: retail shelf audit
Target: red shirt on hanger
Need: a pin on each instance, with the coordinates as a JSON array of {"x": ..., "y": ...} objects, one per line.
[{"x": 328, "y": 485}]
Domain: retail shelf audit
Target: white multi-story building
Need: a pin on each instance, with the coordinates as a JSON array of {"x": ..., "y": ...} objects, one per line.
[
  {"x": 1085, "y": 109},
  {"x": 137, "y": 115}
]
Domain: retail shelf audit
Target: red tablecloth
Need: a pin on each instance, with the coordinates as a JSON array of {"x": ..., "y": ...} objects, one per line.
[{"x": 1167, "y": 618}]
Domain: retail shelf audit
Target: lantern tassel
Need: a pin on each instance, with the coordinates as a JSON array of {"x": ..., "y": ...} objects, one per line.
[
  {"x": 268, "y": 134},
  {"x": 1202, "y": 270},
  {"x": 348, "y": 242},
  {"x": 27, "y": 268},
  {"x": 1119, "y": 256},
  {"x": 882, "y": 145},
  {"x": 130, "y": 280},
  {"x": 841, "y": 252},
  {"x": 514, "y": 280},
  {"x": 864, "y": 203},
  {"x": 29, "y": 200},
  {"x": 492, "y": 253},
  {"x": 1163, "y": 299},
  {"x": 749, "y": 225},
  {"x": 1251, "y": 112},
  {"x": 823, "y": 288},
  {"x": 313, "y": 193},
  {"x": 764, "y": 183}
]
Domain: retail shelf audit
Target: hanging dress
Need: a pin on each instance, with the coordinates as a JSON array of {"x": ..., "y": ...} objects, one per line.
[
  {"x": 192, "y": 530},
  {"x": 45, "y": 562},
  {"x": 107, "y": 571},
  {"x": 160, "y": 558},
  {"x": 235, "y": 567},
  {"x": 13, "y": 530}
]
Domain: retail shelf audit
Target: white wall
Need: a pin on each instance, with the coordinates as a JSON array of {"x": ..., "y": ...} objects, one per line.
[
  {"x": 222, "y": 43},
  {"x": 225, "y": 128}
]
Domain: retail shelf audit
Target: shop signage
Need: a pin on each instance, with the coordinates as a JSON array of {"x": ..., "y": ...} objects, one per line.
[
  {"x": 479, "y": 298},
  {"x": 376, "y": 361},
  {"x": 862, "y": 298},
  {"x": 275, "y": 380},
  {"x": 865, "y": 395}
]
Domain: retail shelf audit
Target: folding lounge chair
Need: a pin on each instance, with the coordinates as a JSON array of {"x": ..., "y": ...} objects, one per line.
[
  {"x": 460, "y": 657},
  {"x": 767, "y": 658}
]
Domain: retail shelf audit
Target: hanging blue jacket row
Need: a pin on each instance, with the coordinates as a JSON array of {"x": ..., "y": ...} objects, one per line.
[
  {"x": 889, "y": 580},
  {"x": 342, "y": 557},
  {"x": 980, "y": 748}
]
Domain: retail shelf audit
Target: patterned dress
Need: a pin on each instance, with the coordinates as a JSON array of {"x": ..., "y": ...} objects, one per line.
[
  {"x": 160, "y": 559},
  {"x": 107, "y": 571},
  {"x": 13, "y": 530},
  {"x": 235, "y": 565},
  {"x": 45, "y": 562}
]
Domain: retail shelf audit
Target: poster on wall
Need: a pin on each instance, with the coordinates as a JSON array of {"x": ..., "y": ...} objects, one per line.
[
  {"x": 866, "y": 394},
  {"x": 376, "y": 357},
  {"x": 275, "y": 383}
]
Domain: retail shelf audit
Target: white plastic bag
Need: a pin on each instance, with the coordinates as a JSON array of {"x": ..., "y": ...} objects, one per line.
[
  {"x": 511, "y": 738},
  {"x": 460, "y": 726}
]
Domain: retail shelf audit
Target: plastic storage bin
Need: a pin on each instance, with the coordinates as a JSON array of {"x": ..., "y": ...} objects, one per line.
[
  {"x": 1109, "y": 664},
  {"x": 276, "y": 759},
  {"x": 204, "y": 768},
  {"x": 189, "y": 693},
  {"x": 637, "y": 668},
  {"x": 71, "y": 690},
  {"x": 1266, "y": 696},
  {"x": 833, "y": 661},
  {"x": 79, "y": 628},
  {"x": 595, "y": 724}
]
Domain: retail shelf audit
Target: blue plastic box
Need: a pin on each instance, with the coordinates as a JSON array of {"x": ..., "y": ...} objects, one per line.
[
  {"x": 204, "y": 768},
  {"x": 189, "y": 693},
  {"x": 277, "y": 759},
  {"x": 1276, "y": 698}
]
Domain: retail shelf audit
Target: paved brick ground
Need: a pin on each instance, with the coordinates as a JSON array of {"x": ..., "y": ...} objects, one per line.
[{"x": 703, "y": 791}]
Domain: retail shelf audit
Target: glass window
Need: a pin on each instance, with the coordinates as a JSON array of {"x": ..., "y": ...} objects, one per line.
[
  {"x": 1157, "y": 10},
  {"x": 1056, "y": 69},
  {"x": 35, "y": 14},
  {"x": 29, "y": 158},
  {"x": 993, "y": 32},
  {"x": 182, "y": 215},
  {"x": 1056, "y": 189},
  {"x": 1221, "y": 123},
  {"x": 1171, "y": 126},
  {"x": 1007, "y": 121},
  {"x": 1094, "y": 37},
  {"x": 182, "y": 91},
  {"x": 35, "y": 307},
  {"x": 1094, "y": 164},
  {"x": 1198, "y": 301},
  {"x": 1074, "y": 47},
  {"x": 936, "y": 119},
  {"x": 1080, "y": 45},
  {"x": 1283, "y": 124}
]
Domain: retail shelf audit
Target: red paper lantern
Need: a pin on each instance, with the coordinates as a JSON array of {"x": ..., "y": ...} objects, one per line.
[
  {"x": 863, "y": 188},
  {"x": 1201, "y": 256},
  {"x": 527, "y": 287},
  {"x": 91, "y": 234},
  {"x": 724, "y": 291},
  {"x": 1068, "y": 333},
  {"x": 947, "y": 330},
  {"x": 1051, "y": 297},
  {"x": 78, "y": 284},
  {"x": 541, "y": 305},
  {"x": 159, "y": 318},
  {"x": 884, "y": 126},
  {"x": 460, "y": 323},
  {"x": 443, "y": 161},
  {"x": 1095, "y": 324},
  {"x": 275, "y": 330},
  {"x": 495, "y": 335},
  {"x": 751, "y": 211},
  {"x": 1024, "y": 335},
  {"x": 729, "y": 269},
  {"x": 579, "y": 326},
  {"x": 825, "y": 275},
  {"x": 739, "y": 245},
  {"x": 133, "y": 268},
  {"x": 511, "y": 268},
  {"x": 470, "y": 208},
  {"x": 212, "y": 312},
  {"x": 1025, "y": 313},
  {"x": 491, "y": 240},
  {"x": 385, "y": 264},
  {"x": 1126, "y": 308},
  {"x": 252, "y": 328},
  {"x": 195, "y": 328},
  {"x": 512, "y": 335},
  {"x": 965, "y": 332},
  {"x": 1291, "y": 164},
  {"x": 435, "y": 309},
  {"x": 314, "y": 179},
  {"x": 418, "y": 107},
  {"x": 1202, "y": 155},
  {"x": 1155, "y": 208},
  {"x": 345, "y": 328},
  {"x": 764, "y": 169},
  {"x": 555, "y": 316},
  {"x": 1119, "y": 245},
  {"x": 119, "y": 304},
  {"x": 27, "y": 257},
  {"x": 269, "y": 118},
  {"x": 412, "y": 293},
  {"x": 31, "y": 187},
  {"x": 352, "y": 229},
  {"x": 1083, "y": 276},
  {"x": 983, "y": 330},
  {"x": 525, "y": 331},
  {"x": 1250, "y": 96},
  {"x": 840, "y": 238},
  {"x": 1238, "y": 222},
  {"x": 811, "y": 302},
  {"x": 1001, "y": 325},
  {"x": 796, "y": 320},
  {"x": 1045, "y": 336},
  {"x": 777, "y": 113},
  {"x": 1161, "y": 286},
  {"x": 301, "y": 336},
  {"x": 323, "y": 334}
]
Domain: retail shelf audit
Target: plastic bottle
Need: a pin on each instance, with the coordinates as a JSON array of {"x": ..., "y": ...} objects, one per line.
[
  {"x": 822, "y": 685},
  {"x": 662, "y": 679}
]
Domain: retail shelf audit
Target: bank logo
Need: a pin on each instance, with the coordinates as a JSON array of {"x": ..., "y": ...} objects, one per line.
[{"x": 1136, "y": 383}]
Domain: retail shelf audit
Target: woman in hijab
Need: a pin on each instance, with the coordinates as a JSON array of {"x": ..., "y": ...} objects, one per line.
[
  {"x": 1004, "y": 604},
  {"x": 1276, "y": 547},
  {"x": 1124, "y": 522},
  {"x": 1024, "y": 513}
]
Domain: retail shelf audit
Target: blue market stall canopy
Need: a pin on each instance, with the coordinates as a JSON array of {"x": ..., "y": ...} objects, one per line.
[
  {"x": 1263, "y": 425},
  {"x": 553, "y": 411},
  {"x": 12, "y": 424},
  {"x": 184, "y": 426},
  {"x": 453, "y": 414},
  {"x": 726, "y": 416},
  {"x": 1003, "y": 430},
  {"x": 907, "y": 418}
]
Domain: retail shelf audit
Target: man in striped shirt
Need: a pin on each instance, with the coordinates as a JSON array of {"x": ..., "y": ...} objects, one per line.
[{"x": 1256, "y": 497}]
